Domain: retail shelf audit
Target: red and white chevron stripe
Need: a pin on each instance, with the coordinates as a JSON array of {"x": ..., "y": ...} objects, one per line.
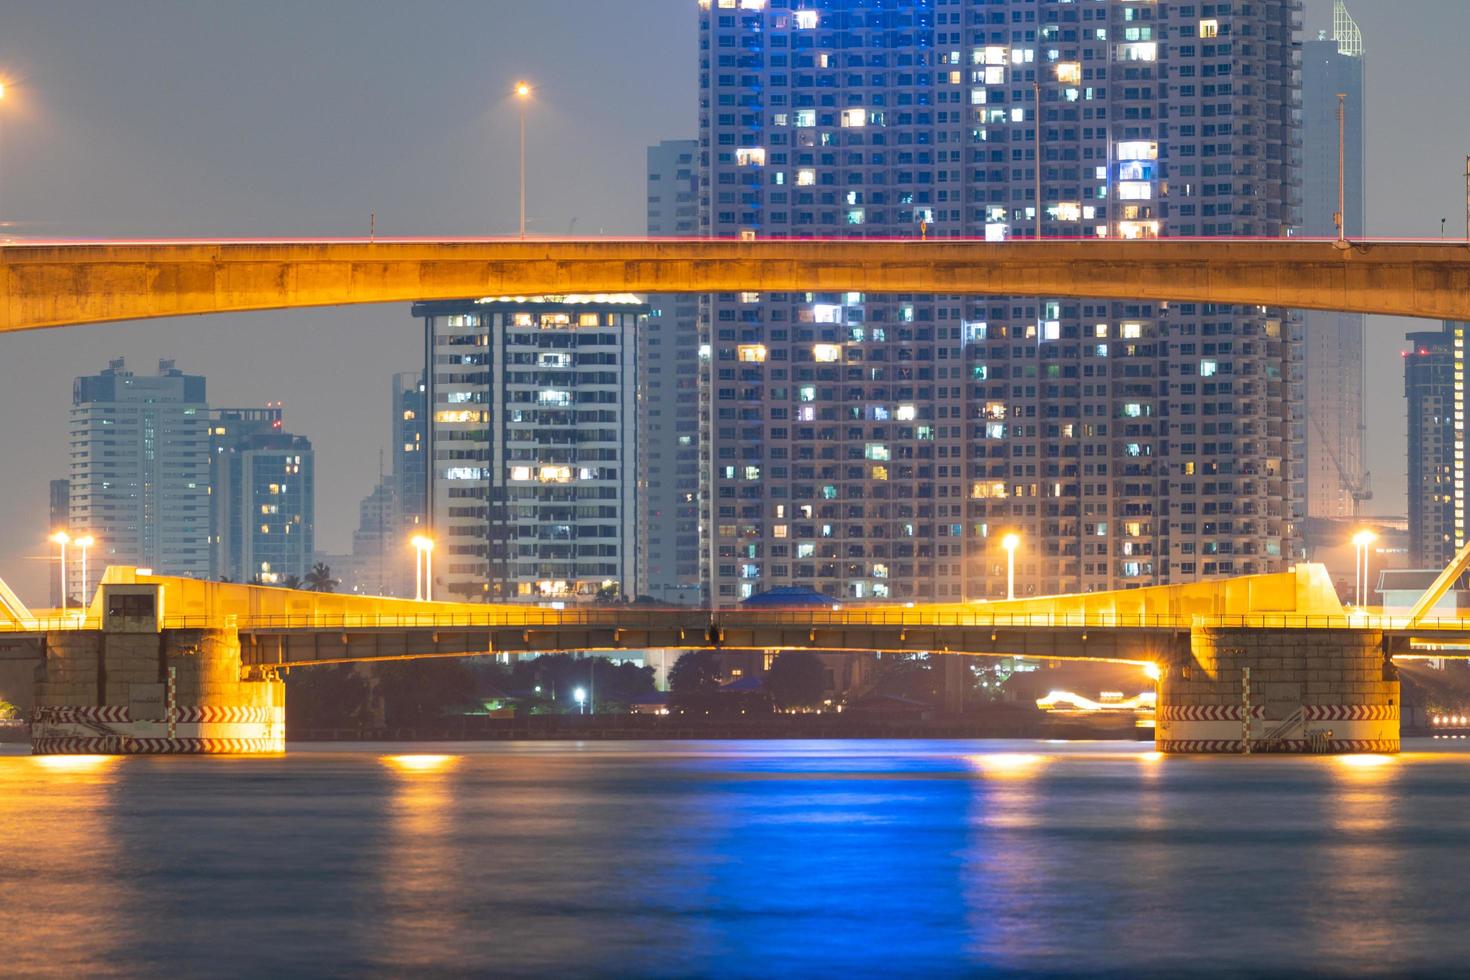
[
  {"x": 1350, "y": 712},
  {"x": 123, "y": 745},
  {"x": 1198, "y": 745},
  {"x": 63, "y": 714},
  {"x": 1336, "y": 745},
  {"x": 1206, "y": 712},
  {"x": 223, "y": 714}
]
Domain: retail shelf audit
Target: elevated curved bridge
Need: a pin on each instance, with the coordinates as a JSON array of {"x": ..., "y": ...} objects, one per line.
[{"x": 51, "y": 284}]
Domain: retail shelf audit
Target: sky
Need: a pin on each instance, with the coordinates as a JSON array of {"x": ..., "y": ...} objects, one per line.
[{"x": 279, "y": 118}]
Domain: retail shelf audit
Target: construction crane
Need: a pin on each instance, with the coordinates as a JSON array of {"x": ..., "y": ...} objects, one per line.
[{"x": 1359, "y": 489}]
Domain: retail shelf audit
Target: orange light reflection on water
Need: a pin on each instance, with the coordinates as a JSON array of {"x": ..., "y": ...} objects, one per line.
[{"x": 417, "y": 762}]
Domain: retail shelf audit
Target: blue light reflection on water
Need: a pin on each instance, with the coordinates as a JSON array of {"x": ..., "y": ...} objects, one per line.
[{"x": 732, "y": 857}]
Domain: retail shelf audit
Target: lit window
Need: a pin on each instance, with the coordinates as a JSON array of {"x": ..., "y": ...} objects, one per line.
[
  {"x": 1138, "y": 150},
  {"x": 1134, "y": 191},
  {"x": 1209, "y": 28},
  {"x": 587, "y": 320},
  {"x": 1069, "y": 73},
  {"x": 876, "y": 450},
  {"x": 806, "y": 118},
  {"x": 826, "y": 313},
  {"x": 750, "y": 156},
  {"x": 854, "y": 118},
  {"x": 826, "y": 352},
  {"x": 1132, "y": 331},
  {"x": 778, "y": 530},
  {"x": 806, "y": 178},
  {"x": 856, "y": 216},
  {"x": 880, "y": 473},
  {"x": 806, "y": 19},
  {"x": 520, "y": 472},
  {"x": 752, "y": 353},
  {"x": 1207, "y": 369},
  {"x": 906, "y": 413}
]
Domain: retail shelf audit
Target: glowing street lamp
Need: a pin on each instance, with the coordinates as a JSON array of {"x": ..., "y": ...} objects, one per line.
[
  {"x": 523, "y": 95},
  {"x": 62, "y": 539},
  {"x": 84, "y": 542},
  {"x": 1010, "y": 542},
  {"x": 423, "y": 568},
  {"x": 580, "y": 694},
  {"x": 1361, "y": 541}
]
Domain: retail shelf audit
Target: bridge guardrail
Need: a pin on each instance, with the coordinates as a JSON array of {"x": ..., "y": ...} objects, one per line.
[{"x": 699, "y": 620}]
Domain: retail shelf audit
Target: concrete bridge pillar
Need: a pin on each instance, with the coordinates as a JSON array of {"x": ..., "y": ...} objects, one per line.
[
  {"x": 1288, "y": 690},
  {"x": 108, "y": 692}
]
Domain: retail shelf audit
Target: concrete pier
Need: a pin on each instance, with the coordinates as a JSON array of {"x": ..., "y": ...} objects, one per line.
[
  {"x": 132, "y": 687},
  {"x": 1286, "y": 690}
]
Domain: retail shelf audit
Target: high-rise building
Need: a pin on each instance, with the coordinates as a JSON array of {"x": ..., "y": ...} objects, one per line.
[
  {"x": 532, "y": 438},
  {"x": 882, "y": 446},
  {"x": 263, "y": 496},
  {"x": 377, "y": 548},
  {"x": 140, "y": 468},
  {"x": 1434, "y": 383},
  {"x": 60, "y": 520},
  {"x": 1333, "y": 65},
  {"x": 410, "y": 479},
  {"x": 668, "y": 394}
]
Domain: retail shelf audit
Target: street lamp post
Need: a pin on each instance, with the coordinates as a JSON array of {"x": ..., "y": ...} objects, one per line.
[
  {"x": 61, "y": 538},
  {"x": 580, "y": 694},
  {"x": 523, "y": 94},
  {"x": 1009, "y": 543},
  {"x": 423, "y": 568},
  {"x": 1361, "y": 541},
  {"x": 84, "y": 542}
]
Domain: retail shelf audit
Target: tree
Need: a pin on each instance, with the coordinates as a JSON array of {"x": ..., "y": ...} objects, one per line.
[
  {"x": 291, "y": 582},
  {"x": 319, "y": 579},
  {"x": 797, "y": 679},
  {"x": 8, "y": 711},
  {"x": 696, "y": 672}
]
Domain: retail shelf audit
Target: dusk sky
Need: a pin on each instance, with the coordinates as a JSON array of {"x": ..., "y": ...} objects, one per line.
[{"x": 282, "y": 118}]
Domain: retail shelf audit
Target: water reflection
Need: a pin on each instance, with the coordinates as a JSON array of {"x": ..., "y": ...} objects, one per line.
[
  {"x": 733, "y": 858},
  {"x": 421, "y": 914},
  {"x": 62, "y": 898}
]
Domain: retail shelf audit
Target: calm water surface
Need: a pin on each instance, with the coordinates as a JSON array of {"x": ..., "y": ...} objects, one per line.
[{"x": 744, "y": 858}]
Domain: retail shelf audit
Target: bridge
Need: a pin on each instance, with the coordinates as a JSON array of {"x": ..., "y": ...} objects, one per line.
[
  {"x": 51, "y": 284},
  {"x": 160, "y": 664}
]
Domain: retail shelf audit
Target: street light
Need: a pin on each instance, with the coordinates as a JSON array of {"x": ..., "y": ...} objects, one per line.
[
  {"x": 581, "y": 696},
  {"x": 423, "y": 568},
  {"x": 84, "y": 542},
  {"x": 1361, "y": 541},
  {"x": 62, "y": 538},
  {"x": 523, "y": 95},
  {"x": 1009, "y": 543}
]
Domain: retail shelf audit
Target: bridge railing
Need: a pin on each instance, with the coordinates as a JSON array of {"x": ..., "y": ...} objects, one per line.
[{"x": 697, "y": 621}]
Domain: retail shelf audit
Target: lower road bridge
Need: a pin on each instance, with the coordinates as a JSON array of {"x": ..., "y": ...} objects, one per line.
[{"x": 162, "y": 664}]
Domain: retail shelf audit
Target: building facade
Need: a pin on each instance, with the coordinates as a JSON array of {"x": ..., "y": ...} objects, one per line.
[
  {"x": 263, "y": 496},
  {"x": 533, "y": 443},
  {"x": 410, "y": 479},
  {"x": 140, "y": 468},
  {"x": 1334, "y": 65},
  {"x": 1434, "y": 384},
  {"x": 668, "y": 395},
  {"x": 880, "y": 447}
]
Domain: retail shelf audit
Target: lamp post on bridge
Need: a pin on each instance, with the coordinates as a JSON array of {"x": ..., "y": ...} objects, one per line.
[
  {"x": 1009, "y": 543},
  {"x": 1361, "y": 541},
  {"x": 423, "y": 568},
  {"x": 523, "y": 95},
  {"x": 84, "y": 542}
]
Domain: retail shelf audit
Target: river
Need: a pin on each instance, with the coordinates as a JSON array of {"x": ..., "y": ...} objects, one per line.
[{"x": 843, "y": 858}]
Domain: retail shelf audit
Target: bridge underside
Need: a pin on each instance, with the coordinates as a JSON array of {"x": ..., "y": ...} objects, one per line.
[{"x": 50, "y": 284}]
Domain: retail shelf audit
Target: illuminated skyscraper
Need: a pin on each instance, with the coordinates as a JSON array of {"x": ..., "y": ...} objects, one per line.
[
  {"x": 1333, "y": 65},
  {"x": 880, "y": 446},
  {"x": 533, "y": 445},
  {"x": 140, "y": 468},
  {"x": 1434, "y": 384},
  {"x": 262, "y": 496}
]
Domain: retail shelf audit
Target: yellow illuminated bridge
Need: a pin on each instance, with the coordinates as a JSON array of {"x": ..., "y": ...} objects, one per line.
[
  {"x": 281, "y": 627},
  {"x": 50, "y": 284}
]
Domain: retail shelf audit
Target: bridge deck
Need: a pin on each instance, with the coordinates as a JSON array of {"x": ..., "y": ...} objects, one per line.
[{"x": 48, "y": 284}]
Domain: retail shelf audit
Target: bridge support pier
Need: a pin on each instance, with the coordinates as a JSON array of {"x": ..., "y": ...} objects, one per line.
[
  {"x": 105, "y": 692},
  {"x": 1309, "y": 690}
]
